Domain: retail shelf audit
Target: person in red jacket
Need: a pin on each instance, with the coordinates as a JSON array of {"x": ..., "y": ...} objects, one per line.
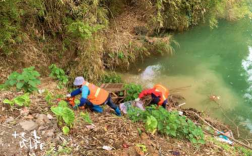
[{"x": 158, "y": 93}]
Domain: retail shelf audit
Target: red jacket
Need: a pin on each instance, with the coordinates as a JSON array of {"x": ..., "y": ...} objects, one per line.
[{"x": 158, "y": 90}]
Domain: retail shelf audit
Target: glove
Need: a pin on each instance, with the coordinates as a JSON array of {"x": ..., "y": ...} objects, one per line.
[
  {"x": 68, "y": 95},
  {"x": 75, "y": 107},
  {"x": 137, "y": 99}
]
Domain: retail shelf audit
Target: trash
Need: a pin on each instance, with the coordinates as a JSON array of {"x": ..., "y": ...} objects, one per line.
[
  {"x": 49, "y": 116},
  {"x": 180, "y": 113},
  {"x": 126, "y": 105},
  {"x": 108, "y": 148},
  {"x": 41, "y": 91},
  {"x": 125, "y": 145}
]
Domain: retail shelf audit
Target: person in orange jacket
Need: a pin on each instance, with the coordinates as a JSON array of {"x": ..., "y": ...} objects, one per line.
[
  {"x": 159, "y": 95},
  {"x": 92, "y": 96}
]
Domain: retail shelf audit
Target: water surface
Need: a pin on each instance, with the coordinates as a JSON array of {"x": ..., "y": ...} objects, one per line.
[{"x": 213, "y": 62}]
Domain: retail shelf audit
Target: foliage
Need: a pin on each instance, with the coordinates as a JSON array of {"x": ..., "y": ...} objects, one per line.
[
  {"x": 168, "y": 123},
  {"x": 64, "y": 113},
  {"x": 65, "y": 130},
  {"x": 111, "y": 78},
  {"x": 48, "y": 97},
  {"x": 82, "y": 30},
  {"x": 9, "y": 24},
  {"x": 133, "y": 90},
  {"x": 60, "y": 150},
  {"x": 27, "y": 80},
  {"x": 86, "y": 117},
  {"x": 58, "y": 74},
  {"x": 22, "y": 100},
  {"x": 181, "y": 14}
]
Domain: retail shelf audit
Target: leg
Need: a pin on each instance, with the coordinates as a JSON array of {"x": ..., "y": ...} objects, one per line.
[
  {"x": 113, "y": 106},
  {"x": 93, "y": 107}
]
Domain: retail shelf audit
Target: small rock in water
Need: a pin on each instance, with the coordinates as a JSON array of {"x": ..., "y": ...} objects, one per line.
[{"x": 28, "y": 125}]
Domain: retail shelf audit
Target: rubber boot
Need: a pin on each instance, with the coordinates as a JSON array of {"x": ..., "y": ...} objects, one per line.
[{"x": 117, "y": 111}]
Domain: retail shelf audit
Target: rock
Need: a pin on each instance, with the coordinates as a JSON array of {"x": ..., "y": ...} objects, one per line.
[
  {"x": 49, "y": 116},
  {"x": 42, "y": 119},
  {"x": 10, "y": 119},
  {"x": 28, "y": 125}
]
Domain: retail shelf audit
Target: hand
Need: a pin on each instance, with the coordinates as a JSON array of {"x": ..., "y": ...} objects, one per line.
[
  {"x": 75, "y": 107},
  {"x": 68, "y": 95}
]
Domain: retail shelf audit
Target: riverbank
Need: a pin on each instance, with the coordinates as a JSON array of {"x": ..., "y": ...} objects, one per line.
[{"x": 97, "y": 134}]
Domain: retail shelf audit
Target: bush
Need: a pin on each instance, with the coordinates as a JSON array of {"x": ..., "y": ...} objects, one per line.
[
  {"x": 58, "y": 74},
  {"x": 168, "y": 123},
  {"x": 111, "y": 78},
  {"x": 27, "y": 80},
  {"x": 133, "y": 90}
]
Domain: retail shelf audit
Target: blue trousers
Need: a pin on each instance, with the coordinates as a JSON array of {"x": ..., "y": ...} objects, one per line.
[{"x": 155, "y": 100}]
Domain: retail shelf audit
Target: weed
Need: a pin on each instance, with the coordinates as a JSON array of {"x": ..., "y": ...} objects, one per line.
[
  {"x": 168, "y": 123},
  {"x": 86, "y": 117},
  {"x": 65, "y": 130},
  {"x": 27, "y": 80},
  {"x": 58, "y": 74},
  {"x": 63, "y": 113},
  {"x": 142, "y": 147},
  {"x": 133, "y": 90},
  {"x": 111, "y": 78},
  {"x": 48, "y": 98},
  {"x": 22, "y": 100}
]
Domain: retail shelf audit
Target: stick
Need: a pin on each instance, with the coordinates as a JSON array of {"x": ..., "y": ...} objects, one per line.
[{"x": 237, "y": 141}]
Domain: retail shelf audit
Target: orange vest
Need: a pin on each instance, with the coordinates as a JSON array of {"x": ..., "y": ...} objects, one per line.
[
  {"x": 97, "y": 95},
  {"x": 164, "y": 91}
]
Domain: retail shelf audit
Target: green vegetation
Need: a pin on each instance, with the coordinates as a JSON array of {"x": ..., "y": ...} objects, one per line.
[
  {"x": 133, "y": 91},
  {"x": 63, "y": 113},
  {"x": 86, "y": 117},
  {"x": 58, "y": 74},
  {"x": 27, "y": 80},
  {"x": 65, "y": 130},
  {"x": 168, "y": 123},
  {"x": 22, "y": 100},
  {"x": 111, "y": 78}
]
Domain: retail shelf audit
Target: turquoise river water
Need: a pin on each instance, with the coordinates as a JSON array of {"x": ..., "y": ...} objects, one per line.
[{"x": 213, "y": 62}]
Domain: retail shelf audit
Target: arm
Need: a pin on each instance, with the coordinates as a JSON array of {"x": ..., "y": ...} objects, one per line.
[
  {"x": 84, "y": 94},
  {"x": 145, "y": 92},
  {"x": 76, "y": 92}
]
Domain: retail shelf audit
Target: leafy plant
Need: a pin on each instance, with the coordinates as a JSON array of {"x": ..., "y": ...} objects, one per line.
[
  {"x": 86, "y": 117},
  {"x": 27, "y": 80},
  {"x": 168, "y": 123},
  {"x": 63, "y": 113},
  {"x": 82, "y": 30},
  {"x": 22, "y": 100},
  {"x": 58, "y": 74},
  {"x": 65, "y": 130},
  {"x": 142, "y": 147},
  {"x": 48, "y": 97},
  {"x": 111, "y": 78},
  {"x": 133, "y": 90}
]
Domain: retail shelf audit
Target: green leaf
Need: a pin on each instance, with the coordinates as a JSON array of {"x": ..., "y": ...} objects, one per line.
[
  {"x": 68, "y": 116},
  {"x": 63, "y": 103},
  {"x": 57, "y": 110},
  {"x": 6, "y": 101},
  {"x": 20, "y": 85},
  {"x": 65, "y": 130}
]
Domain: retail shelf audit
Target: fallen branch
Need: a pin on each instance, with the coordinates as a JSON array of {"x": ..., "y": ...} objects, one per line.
[{"x": 237, "y": 141}]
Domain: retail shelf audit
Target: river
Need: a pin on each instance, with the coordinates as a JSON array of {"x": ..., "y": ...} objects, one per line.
[{"x": 213, "y": 62}]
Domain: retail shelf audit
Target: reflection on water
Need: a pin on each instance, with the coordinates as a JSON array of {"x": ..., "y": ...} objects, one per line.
[{"x": 213, "y": 62}]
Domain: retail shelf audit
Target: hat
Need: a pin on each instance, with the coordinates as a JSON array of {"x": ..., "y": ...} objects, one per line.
[{"x": 78, "y": 81}]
